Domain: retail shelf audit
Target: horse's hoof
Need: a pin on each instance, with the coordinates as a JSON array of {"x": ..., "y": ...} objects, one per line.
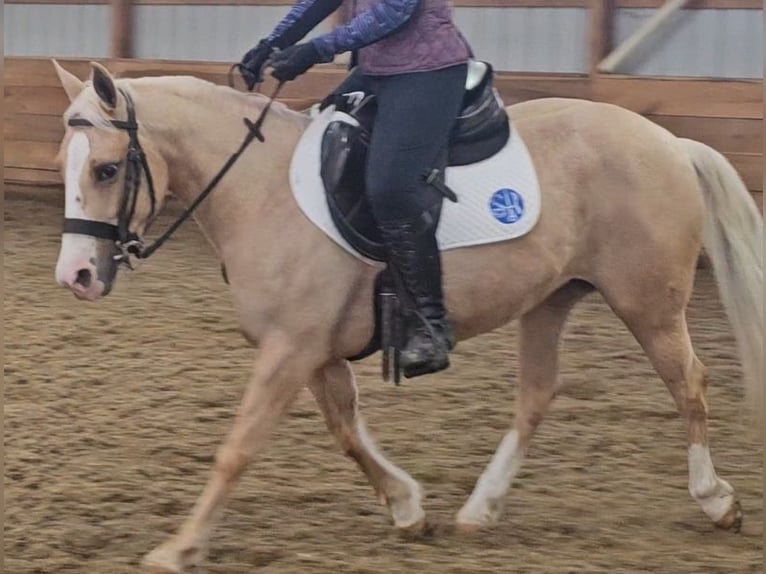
[
  {"x": 153, "y": 565},
  {"x": 732, "y": 520},
  {"x": 478, "y": 515},
  {"x": 413, "y": 530},
  {"x": 168, "y": 559},
  {"x": 406, "y": 510}
]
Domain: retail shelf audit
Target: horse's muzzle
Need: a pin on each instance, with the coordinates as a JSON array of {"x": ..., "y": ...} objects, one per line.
[
  {"x": 86, "y": 266},
  {"x": 83, "y": 283}
]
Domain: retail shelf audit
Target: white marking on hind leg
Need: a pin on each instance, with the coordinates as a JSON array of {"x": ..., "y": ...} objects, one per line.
[
  {"x": 715, "y": 496},
  {"x": 485, "y": 504},
  {"x": 402, "y": 493}
]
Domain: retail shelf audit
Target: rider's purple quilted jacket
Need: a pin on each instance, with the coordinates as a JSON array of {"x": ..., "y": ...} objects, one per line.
[
  {"x": 429, "y": 40},
  {"x": 391, "y": 36}
]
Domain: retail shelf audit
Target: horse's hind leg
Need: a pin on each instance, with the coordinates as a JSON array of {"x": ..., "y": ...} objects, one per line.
[
  {"x": 540, "y": 332},
  {"x": 336, "y": 393},
  {"x": 664, "y": 336}
]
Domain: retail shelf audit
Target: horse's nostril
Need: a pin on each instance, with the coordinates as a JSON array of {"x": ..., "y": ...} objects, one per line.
[{"x": 84, "y": 277}]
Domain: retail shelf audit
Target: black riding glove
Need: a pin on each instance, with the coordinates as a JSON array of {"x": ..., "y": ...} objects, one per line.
[
  {"x": 291, "y": 62},
  {"x": 253, "y": 62}
]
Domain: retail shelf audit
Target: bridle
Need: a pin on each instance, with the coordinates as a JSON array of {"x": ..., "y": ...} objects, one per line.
[{"x": 129, "y": 242}]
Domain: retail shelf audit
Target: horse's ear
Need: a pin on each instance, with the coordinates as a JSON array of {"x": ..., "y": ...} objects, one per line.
[
  {"x": 72, "y": 84},
  {"x": 103, "y": 83}
]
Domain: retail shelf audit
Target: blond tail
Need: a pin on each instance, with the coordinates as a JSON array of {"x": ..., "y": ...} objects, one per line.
[{"x": 734, "y": 243}]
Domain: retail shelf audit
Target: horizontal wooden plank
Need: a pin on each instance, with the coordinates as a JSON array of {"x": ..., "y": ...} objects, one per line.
[
  {"x": 28, "y": 106},
  {"x": 33, "y": 127},
  {"x": 39, "y": 71},
  {"x": 728, "y": 135},
  {"x": 26, "y": 75},
  {"x": 515, "y": 88},
  {"x": 750, "y": 168},
  {"x": 36, "y": 71},
  {"x": 758, "y": 198},
  {"x": 639, "y": 92},
  {"x": 30, "y": 154},
  {"x": 32, "y": 87},
  {"x": 32, "y": 176},
  {"x": 682, "y": 97},
  {"x": 32, "y": 72},
  {"x": 697, "y": 4},
  {"x": 37, "y": 100}
]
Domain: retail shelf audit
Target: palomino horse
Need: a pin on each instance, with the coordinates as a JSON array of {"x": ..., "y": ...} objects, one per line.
[{"x": 628, "y": 207}]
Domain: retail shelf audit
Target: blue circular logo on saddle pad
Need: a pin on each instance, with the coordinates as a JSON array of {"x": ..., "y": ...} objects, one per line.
[{"x": 507, "y": 205}]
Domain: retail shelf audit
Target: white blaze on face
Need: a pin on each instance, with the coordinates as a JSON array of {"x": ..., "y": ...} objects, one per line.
[
  {"x": 77, "y": 156},
  {"x": 77, "y": 251}
]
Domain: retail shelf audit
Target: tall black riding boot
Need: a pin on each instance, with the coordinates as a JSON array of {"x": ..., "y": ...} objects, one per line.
[{"x": 414, "y": 254}]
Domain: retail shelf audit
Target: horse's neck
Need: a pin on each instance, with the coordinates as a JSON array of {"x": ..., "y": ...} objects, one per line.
[{"x": 197, "y": 141}]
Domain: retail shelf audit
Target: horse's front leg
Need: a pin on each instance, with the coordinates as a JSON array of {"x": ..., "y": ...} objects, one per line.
[{"x": 279, "y": 374}]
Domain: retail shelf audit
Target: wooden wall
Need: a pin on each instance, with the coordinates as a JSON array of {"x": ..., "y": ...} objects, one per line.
[{"x": 727, "y": 115}]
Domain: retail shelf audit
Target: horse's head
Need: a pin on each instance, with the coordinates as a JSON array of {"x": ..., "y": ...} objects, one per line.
[{"x": 115, "y": 182}]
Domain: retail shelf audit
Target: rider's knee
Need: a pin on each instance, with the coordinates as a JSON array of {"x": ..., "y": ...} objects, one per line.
[{"x": 398, "y": 197}]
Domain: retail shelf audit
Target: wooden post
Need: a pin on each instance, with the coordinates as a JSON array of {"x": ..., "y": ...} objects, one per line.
[
  {"x": 600, "y": 38},
  {"x": 122, "y": 29},
  {"x": 601, "y": 25}
]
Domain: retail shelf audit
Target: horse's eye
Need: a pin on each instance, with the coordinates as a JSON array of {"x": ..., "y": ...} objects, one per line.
[{"x": 106, "y": 171}]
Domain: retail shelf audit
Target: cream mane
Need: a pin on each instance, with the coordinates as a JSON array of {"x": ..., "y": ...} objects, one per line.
[{"x": 88, "y": 106}]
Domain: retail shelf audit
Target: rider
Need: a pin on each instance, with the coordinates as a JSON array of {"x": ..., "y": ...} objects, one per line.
[{"x": 412, "y": 57}]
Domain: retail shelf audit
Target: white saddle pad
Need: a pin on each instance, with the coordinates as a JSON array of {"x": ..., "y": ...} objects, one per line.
[{"x": 498, "y": 198}]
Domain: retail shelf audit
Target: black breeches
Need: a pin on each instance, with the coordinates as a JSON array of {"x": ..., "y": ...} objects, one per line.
[{"x": 416, "y": 113}]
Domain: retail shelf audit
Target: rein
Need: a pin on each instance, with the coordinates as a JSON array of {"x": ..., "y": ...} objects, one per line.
[{"x": 128, "y": 242}]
